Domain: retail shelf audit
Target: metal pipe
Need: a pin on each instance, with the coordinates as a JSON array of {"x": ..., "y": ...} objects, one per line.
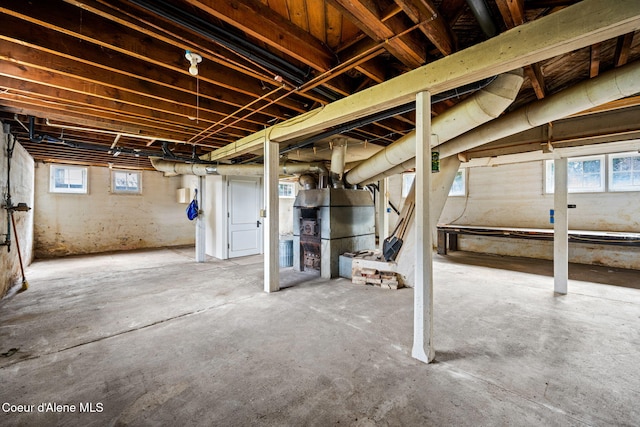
[
  {"x": 112, "y": 132},
  {"x": 338, "y": 154},
  {"x": 483, "y": 16},
  {"x": 8, "y": 203},
  {"x": 308, "y": 182},
  {"x": 234, "y": 43},
  {"x": 402, "y": 109},
  {"x": 609, "y": 86},
  {"x": 483, "y": 106},
  {"x": 199, "y": 169}
]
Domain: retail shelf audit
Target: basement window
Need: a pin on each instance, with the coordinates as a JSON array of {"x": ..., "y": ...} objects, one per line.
[
  {"x": 407, "y": 182},
  {"x": 624, "y": 172},
  {"x": 584, "y": 175},
  {"x": 287, "y": 189},
  {"x": 126, "y": 182},
  {"x": 68, "y": 179},
  {"x": 459, "y": 186}
]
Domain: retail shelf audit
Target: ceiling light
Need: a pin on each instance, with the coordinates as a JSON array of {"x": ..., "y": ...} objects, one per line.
[{"x": 194, "y": 59}]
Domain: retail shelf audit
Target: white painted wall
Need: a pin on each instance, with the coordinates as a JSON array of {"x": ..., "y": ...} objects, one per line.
[
  {"x": 286, "y": 216},
  {"x": 22, "y": 181},
  {"x": 100, "y": 221},
  {"x": 216, "y": 216},
  {"x": 512, "y": 195}
]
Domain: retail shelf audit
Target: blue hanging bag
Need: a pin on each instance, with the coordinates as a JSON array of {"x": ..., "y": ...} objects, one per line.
[{"x": 192, "y": 209}]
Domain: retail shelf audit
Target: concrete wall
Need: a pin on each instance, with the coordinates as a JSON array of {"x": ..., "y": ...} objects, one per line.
[
  {"x": 512, "y": 195},
  {"x": 67, "y": 224},
  {"x": 22, "y": 182}
]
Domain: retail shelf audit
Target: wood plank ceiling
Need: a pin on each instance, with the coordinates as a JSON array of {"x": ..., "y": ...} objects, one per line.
[{"x": 106, "y": 82}]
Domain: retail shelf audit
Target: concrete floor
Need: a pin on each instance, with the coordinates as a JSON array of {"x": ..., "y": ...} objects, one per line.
[{"x": 152, "y": 338}]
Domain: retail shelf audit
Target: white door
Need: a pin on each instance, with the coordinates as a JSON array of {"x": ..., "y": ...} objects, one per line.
[{"x": 245, "y": 226}]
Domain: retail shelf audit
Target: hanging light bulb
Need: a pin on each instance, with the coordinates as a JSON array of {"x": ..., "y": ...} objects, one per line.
[{"x": 194, "y": 59}]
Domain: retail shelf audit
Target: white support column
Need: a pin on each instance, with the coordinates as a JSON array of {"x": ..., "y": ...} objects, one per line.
[
  {"x": 383, "y": 216},
  {"x": 560, "y": 227},
  {"x": 201, "y": 226},
  {"x": 272, "y": 220},
  {"x": 423, "y": 349}
]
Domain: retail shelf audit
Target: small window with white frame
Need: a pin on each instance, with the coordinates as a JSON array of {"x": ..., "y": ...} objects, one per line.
[
  {"x": 624, "y": 172},
  {"x": 68, "y": 179},
  {"x": 459, "y": 186},
  {"x": 287, "y": 189},
  {"x": 126, "y": 182},
  {"x": 584, "y": 175}
]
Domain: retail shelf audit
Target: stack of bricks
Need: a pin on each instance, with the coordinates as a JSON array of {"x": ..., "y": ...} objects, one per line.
[{"x": 370, "y": 276}]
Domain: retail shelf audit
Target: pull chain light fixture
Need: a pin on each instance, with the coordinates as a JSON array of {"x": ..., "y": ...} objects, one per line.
[{"x": 194, "y": 59}]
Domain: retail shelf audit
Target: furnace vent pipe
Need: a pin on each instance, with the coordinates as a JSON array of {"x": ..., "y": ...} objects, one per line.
[
  {"x": 338, "y": 156},
  {"x": 200, "y": 169},
  {"x": 308, "y": 182},
  {"x": 484, "y": 105},
  {"x": 610, "y": 86}
]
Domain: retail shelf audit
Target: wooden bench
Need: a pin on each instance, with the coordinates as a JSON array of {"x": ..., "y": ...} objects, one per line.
[{"x": 448, "y": 235}]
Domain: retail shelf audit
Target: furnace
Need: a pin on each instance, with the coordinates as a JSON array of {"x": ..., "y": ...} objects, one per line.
[{"x": 328, "y": 222}]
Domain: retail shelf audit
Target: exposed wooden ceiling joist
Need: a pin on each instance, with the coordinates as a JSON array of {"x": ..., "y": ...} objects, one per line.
[
  {"x": 589, "y": 22},
  {"x": 119, "y": 65}
]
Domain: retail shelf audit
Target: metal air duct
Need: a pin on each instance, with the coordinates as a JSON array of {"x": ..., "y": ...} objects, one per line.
[
  {"x": 484, "y": 105},
  {"x": 610, "y": 86}
]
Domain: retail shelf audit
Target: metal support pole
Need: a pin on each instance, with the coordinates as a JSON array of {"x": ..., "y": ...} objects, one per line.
[{"x": 423, "y": 349}]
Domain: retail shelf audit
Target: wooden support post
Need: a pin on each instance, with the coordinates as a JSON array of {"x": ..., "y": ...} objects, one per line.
[
  {"x": 453, "y": 242},
  {"x": 560, "y": 228},
  {"x": 272, "y": 220},
  {"x": 423, "y": 349},
  {"x": 201, "y": 226}
]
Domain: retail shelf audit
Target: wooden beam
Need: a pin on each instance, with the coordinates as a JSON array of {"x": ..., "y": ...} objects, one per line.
[
  {"x": 594, "y": 60},
  {"x": 368, "y": 17},
  {"x": 432, "y": 22},
  {"x": 114, "y": 53},
  {"x": 452, "y": 10},
  {"x": 542, "y": 4},
  {"x": 512, "y": 12},
  {"x": 623, "y": 45},
  {"x": 82, "y": 89},
  {"x": 578, "y": 26},
  {"x": 267, "y": 26},
  {"x": 83, "y": 118},
  {"x": 534, "y": 73}
]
